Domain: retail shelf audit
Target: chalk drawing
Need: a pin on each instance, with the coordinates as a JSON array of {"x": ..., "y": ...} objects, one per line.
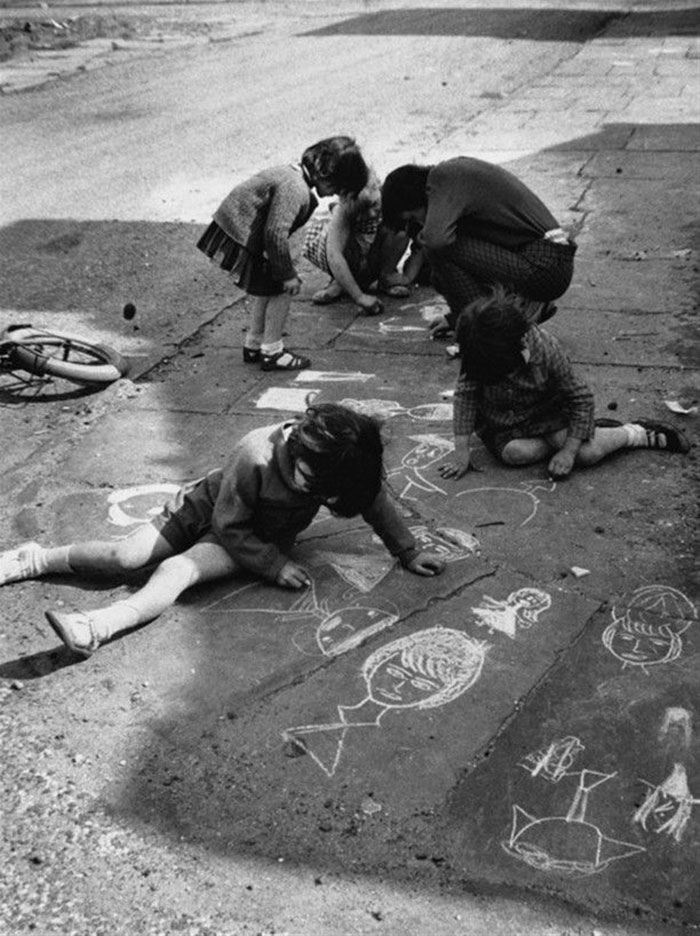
[
  {"x": 553, "y": 762},
  {"x": 315, "y": 376},
  {"x": 520, "y": 609},
  {"x": 450, "y": 544},
  {"x": 138, "y": 505},
  {"x": 647, "y": 631},
  {"x": 388, "y": 326},
  {"x": 567, "y": 844},
  {"x": 290, "y": 399},
  {"x": 428, "y": 450},
  {"x": 676, "y": 728},
  {"x": 363, "y": 572},
  {"x": 384, "y": 409},
  {"x": 501, "y": 512},
  {"x": 332, "y": 631},
  {"x": 667, "y": 807},
  {"x": 423, "y": 670}
]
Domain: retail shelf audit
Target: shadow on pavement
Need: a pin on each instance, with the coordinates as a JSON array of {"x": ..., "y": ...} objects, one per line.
[{"x": 550, "y": 25}]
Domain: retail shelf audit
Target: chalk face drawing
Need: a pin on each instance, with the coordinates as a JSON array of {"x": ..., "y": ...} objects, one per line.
[
  {"x": 567, "y": 844},
  {"x": 423, "y": 670},
  {"x": 330, "y": 631},
  {"x": 553, "y": 762},
  {"x": 423, "y": 412},
  {"x": 427, "y": 452},
  {"x": 647, "y": 632},
  {"x": 667, "y": 806},
  {"x": 507, "y": 505},
  {"x": 135, "y": 506},
  {"x": 520, "y": 609}
]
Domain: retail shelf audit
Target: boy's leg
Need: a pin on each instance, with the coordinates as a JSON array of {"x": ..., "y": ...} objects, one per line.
[
  {"x": 641, "y": 434},
  {"x": 83, "y": 632},
  {"x": 527, "y": 451},
  {"x": 274, "y": 354}
]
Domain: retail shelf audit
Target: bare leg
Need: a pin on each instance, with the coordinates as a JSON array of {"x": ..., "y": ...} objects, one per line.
[
  {"x": 83, "y": 632},
  {"x": 275, "y": 319}
]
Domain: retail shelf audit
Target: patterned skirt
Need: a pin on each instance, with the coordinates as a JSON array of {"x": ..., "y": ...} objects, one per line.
[{"x": 250, "y": 272}]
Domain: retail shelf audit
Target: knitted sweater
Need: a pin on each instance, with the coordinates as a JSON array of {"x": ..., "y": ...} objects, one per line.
[
  {"x": 257, "y": 513},
  {"x": 262, "y": 212},
  {"x": 472, "y": 198}
]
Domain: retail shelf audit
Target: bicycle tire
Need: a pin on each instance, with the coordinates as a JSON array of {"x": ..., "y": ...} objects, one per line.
[{"x": 59, "y": 355}]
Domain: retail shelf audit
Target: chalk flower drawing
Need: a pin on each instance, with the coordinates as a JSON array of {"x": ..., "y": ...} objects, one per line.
[
  {"x": 647, "y": 632},
  {"x": 668, "y": 806},
  {"x": 520, "y": 609},
  {"x": 567, "y": 844},
  {"x": 423, "y": 670}
]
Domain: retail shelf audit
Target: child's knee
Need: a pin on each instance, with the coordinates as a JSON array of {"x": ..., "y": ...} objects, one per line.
[{"x": 521, "y": 452}]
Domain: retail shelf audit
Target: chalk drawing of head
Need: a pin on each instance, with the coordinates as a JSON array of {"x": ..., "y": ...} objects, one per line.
[
  {"x": 647, "y": 632},
  {"x": 429, "y": 448},
  {"x": 138, "y": 505},
  {"x": 423, "y": 670},
  {"x": 667, "y": 806}
]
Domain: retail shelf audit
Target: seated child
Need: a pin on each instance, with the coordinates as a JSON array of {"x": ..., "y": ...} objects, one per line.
[
  {"x": 243, "y": 517},
  {"x": 518, "y": 391},
  {"x": 354, "y": 248}
]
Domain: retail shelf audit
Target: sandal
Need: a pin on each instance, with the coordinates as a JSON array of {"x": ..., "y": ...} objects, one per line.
[
  {"x": 251, "y": 355},
  {"x": 283, "y": 360},
  {"x": 73, "y": 628}
]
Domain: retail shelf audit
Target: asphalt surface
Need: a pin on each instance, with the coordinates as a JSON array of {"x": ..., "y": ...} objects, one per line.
[{"x": 244, "y": 764}]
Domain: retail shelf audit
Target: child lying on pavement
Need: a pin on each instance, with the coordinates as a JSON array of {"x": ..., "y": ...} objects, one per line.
[
  {"x": 242, "y": 518},
  {"x": 518, "y": 391}
]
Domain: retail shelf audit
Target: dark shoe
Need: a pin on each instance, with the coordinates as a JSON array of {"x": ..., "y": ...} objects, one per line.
[
  {"x": 283, "y": 360},
  {"x": 662, "y": 436},
  {"x": 252, "y": 355},
  {"x": 606, "y": 423}
]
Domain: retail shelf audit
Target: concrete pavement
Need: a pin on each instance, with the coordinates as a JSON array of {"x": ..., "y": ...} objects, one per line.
[{"x": 246, "y": 728}]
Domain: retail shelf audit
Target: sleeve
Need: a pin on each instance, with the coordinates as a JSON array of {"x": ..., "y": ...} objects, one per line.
[
  {"x": 233, "y": 516},
  {"x": 285, "y": 205},
  {"x": 574, "y": 392},
  {"x": 465, "y": 406},
  {"x": 391, "y": 528},
  {"x": 445, "y": 208}
]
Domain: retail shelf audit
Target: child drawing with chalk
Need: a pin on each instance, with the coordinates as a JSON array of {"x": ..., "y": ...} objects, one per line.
[
  {"x": 518, "y": 391},
  {"x": 249, "y": 238},
  {"x": 242, "y": 518}
]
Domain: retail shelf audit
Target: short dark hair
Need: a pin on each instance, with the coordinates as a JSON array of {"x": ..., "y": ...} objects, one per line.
[
  {"x": 338, "y": 161},
  {"x": 490, "y": 335},
  {"x": 343, "y": 449},
  {"x": 404, "y": 189}
]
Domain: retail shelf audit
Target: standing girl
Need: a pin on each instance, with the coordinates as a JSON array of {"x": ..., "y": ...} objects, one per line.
[{"x": 250, "y": 231}]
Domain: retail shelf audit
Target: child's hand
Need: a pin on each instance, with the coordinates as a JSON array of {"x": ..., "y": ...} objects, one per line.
[
  {"x": 457, "y": 469},
  {"x": 426, "y": 563},
  {"x": 370, "y": 305},
  {"x": 560, "y": 464},
  {"x": 292, "y": 575},
  {"x": 292, "y": 286}
]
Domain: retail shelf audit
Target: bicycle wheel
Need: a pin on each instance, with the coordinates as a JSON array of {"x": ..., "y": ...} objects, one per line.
[{"x": 58, "y": 355}]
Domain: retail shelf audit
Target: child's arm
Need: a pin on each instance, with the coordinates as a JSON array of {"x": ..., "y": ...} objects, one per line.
[
  {"x": 339, "y": 232},
  {"x": 464, "y": 420},
  {"x": 578, "y": 401},
  {"x": 390, "y": 527},
  {"x": 282, "y": 213}
]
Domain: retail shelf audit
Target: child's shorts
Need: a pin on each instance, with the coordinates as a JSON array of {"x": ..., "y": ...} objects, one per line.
[
  {"x": 187, "y": 518},
  {"x": 495, "y": 440},
  {"x": 248, "y": 271}
]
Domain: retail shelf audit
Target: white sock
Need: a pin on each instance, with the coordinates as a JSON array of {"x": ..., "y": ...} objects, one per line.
[
  {"x": 636, "y": 436},
  {"x": 114, "y": 619},
  {"x": 270, "y": 348},
  {"x": 56, "y": 559}
]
